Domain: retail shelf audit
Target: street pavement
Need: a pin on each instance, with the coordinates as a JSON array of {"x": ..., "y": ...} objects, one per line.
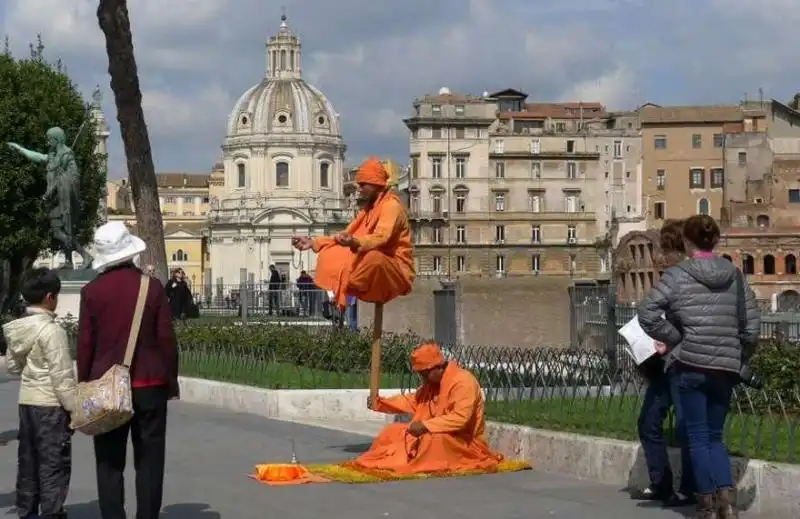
[{"x": 211, "y": 451}]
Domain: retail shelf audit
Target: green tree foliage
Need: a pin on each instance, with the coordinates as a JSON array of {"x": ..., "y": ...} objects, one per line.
[{"x": 34, "y": 96}]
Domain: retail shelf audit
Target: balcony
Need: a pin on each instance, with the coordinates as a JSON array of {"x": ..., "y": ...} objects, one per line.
[
  {"x": 415, "y": 214},
  {"x": 545, "y": 155}
]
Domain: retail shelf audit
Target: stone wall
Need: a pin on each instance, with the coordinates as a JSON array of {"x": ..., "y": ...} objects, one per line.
[{"x": 514, "y": 311}]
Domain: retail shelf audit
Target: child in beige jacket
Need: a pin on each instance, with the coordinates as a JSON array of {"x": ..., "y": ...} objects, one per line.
[{"x": 38, "y": 351}]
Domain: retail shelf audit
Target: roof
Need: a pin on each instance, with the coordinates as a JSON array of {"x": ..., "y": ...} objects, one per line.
[
  {"x": 571, "y": 110},
  {"x": 175, "y": 179},
  {"x": 171, "y": 228},
  {"x": 449, "y": 99},
  {"x": 650, "y": 114},
  {"x": 509, "y": 92}
]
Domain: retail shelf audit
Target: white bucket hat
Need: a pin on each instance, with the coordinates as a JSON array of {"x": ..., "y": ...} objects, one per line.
[{"x": 114, "y": 244}]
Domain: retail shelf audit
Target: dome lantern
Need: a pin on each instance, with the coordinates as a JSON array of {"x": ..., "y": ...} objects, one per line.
[{"x": 283, "y": 54}]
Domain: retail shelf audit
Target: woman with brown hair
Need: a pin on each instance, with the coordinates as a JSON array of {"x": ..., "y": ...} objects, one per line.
[
  {"x": 658, "y": 399},
  {"x": 706, "y": 347}
]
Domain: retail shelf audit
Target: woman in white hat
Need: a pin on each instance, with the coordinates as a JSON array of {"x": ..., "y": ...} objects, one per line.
[{"x": 106, "y": 316}]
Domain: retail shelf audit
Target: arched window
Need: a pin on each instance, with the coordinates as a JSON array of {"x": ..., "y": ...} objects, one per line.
[
  {"x": 324, "y": 170},
  {"x": 748, "y": 264},
  {"x": 282, "y": 174},
  {"x": 703, "y": 207},
  {"x": 241, "y": 174},
  {"x": 790, "y": 264},
  {"x": 179, "y": 255},
  {"x": 283, "y": 60},
  {"x": 769, "y": 264},
  {"x": 762, "y": 221}
]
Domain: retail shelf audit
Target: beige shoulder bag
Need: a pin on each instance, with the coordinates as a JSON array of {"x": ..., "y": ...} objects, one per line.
[{"x": 106, "y": 403}]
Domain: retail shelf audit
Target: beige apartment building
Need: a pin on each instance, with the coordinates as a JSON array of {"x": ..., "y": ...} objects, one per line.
[{"x": 503, "y": 187}]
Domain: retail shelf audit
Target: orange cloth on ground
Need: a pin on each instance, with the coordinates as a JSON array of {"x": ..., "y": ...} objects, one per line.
[
  {"x": 383, "y": 266},
  {"x": 454, "y": 417}
]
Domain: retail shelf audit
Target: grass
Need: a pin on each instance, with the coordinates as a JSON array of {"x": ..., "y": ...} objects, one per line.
[
  {"x": 277, "y": 375},
  {"x": 767, "y": 436}
]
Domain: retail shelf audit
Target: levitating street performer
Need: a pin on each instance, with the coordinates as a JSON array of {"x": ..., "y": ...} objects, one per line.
[
  {"x": 372, "y": 260},
  {"x": 446, "y": 433}
]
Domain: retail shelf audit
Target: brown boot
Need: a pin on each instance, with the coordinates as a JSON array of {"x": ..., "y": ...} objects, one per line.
[
  {"x": 726, "y": 504},
  {"x": 705, "y": 507}
]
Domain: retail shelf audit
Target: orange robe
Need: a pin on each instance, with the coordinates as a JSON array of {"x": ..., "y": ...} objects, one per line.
[
  {"x": 454, "y": 418},
  {"x": 382, "y": 268}
]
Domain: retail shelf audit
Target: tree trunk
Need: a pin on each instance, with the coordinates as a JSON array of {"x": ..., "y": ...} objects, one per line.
[{"x": 113, "y": 18}]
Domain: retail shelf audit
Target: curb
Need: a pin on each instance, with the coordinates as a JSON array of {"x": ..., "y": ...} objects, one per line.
[{"x": 765, "y": 489}]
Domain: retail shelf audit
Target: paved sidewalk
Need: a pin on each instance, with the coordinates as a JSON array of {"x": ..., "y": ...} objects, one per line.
[{"x": 211, "y": 451}]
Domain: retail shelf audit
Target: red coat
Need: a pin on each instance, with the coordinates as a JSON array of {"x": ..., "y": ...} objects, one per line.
[{"x": 106, "y": 313}]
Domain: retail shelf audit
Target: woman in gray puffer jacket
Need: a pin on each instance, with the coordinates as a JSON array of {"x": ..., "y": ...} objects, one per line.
[{"x": 707, "y": 347}]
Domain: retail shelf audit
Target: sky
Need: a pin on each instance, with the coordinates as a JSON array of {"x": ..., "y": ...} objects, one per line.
[{"x": 371, "y": 59}]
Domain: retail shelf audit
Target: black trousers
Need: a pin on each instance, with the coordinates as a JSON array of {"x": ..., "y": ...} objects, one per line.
[
  {"x": 148, "y": 431},
  {"x": 44, "y": 461}
]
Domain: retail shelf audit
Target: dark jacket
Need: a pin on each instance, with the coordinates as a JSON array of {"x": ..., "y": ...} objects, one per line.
[
  {"x": 106, "y": 313},
  {"x": 180, "y": 298},
  {"x": 274, "y": 280},
  {"x": 702, "y": 326}
]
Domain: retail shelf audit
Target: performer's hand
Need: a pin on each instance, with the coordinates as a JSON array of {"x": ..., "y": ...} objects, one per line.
[
  {"x": 343, "y": 239},
  {"x": 417, "y": 429},
  {"x": 302, "y": 243},
  {"x": 661, "y": 348},
  {"x": 370, "y": 403}
]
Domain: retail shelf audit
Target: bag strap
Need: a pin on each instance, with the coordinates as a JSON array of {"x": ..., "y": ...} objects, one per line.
[
  {"x": 136, "y": 324},
  {"x": 741, "y": 310}
]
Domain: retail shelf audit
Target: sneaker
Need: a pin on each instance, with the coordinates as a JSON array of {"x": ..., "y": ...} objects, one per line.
[{"x": 651, "y": 494}]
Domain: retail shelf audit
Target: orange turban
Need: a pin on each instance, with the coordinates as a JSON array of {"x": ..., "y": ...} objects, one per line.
[
  {"x": 372, "y": 172},
  {"x": 426, "y": 357}
]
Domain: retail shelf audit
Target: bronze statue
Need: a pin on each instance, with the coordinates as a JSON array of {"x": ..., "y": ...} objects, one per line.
[{"x": 62, "y": 194}]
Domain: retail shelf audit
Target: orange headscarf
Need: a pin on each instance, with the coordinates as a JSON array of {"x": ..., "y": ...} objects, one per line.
[
  {"x": 372, "y": 172},
  {"x": 426, "y": 357}
]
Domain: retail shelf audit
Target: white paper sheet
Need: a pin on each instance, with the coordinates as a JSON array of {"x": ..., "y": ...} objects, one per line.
[{"x": 640, "y": 345}]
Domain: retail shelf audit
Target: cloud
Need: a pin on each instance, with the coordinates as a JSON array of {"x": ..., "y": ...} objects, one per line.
[{"x": 195, "y": 57}]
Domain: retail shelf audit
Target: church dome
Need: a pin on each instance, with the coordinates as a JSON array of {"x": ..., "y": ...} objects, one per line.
[{"x": 283, "y": 102}]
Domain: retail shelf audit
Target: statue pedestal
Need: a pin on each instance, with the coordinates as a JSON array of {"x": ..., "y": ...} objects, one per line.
[{"x": 69, "y": 300}]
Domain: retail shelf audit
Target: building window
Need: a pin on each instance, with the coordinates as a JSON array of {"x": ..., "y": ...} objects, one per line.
[
  {"x": 436, "y": 203},
  {"x": 660, "y": 142},
  {"x": 794, "y": 196},
  {"x": 536, "y": 234},
  {"x": 170, "y": 200},
  {"x": 414, "y": 167},
  {"x": 697, "y": 141},
  {"x": 500, "y": 264},
  {"x": 241, "y": 173},
  {"x": 536, "y": 146},
  {"x": 717, "y": 177},
  {"x": 617, "y": 149},
  {"x": 570, "y": 146},
  {"x": 536, "y": 169},
  {"x": 459, "y": 109},
  {"x": 536, "y": 263},
  {"x": 188, "y": 200},
  {"x": 500, "y": 169},
  {"x": 571, "y": 203},
  {"x": 461, "y": 263},
  {"x": 697, "y": 178},
  {"x": 535, "y": 203},
  {"x": 461, "y": 202},
  {"x": 436, "y": 167},
  {"x": 436, "y": 109},
  {"x": 414, "y": 202},
  {"x": 719, "y": 140},
  {"x": 790, "y": 264},
  {"x": 572, "y": 234},
  {"x": 661, "y": 179},
  {"x": 769, "y": 264},
  {"x": 436, "y": 235},
  {"x": 499, "y": 146},
  {"x": 461, "y": 235},
  {"x": 748, "y": 264},
  {"x": 499, "y": 202},
  {"x": 437, "y": 264},
  {"x": 742, "y": 158},
  {"x": 500, "y": 233},
  {"x": 324, "y": 169},
  {"x": 659, "y": 210},
  {"x": 703, "y": 207},
  {"x": 282, "y": 174},
  {"x": 572, "y": 170},
  {"x": 461, "y": 167}
]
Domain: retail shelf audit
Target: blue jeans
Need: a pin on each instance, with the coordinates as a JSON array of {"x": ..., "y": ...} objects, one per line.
[
  {"x": 705, "y": 398},
  {"x": 658, "y": 399}
]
